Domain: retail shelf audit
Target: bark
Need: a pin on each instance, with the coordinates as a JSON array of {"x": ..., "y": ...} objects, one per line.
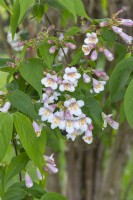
[{"x": 118, "y": 158}]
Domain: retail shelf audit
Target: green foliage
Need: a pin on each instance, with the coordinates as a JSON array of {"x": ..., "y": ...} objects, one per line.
[
  {"x": 77, "y": 56},
  {"x": 109, "y": 36},
  {"x": 119, "y": 78},
  {"x": 6, "y": 128},
  {"x": 16, "y": 165},
  {"x": 14, "y": 194},
  {"x": 128, "y": 104},
  {"x": 73, "y": 31},
  {"x": 32, "y": 72},
  {"x": 30, "y": 142},
  {"x": 22, "y": 102},
  {"x": 53, "y": 196},
  {"x": 38, "y": 10},
  {"x": 3, "y": 4}
]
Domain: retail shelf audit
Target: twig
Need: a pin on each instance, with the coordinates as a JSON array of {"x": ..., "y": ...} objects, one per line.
[
  {"x": 55, "y": 33},
  {"x": 16, "y": 152}
]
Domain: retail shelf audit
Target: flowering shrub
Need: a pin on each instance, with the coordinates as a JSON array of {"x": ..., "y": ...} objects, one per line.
[{"x": 44, "y": 95}]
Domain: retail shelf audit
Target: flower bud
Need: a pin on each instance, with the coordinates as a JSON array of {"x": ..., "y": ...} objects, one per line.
[
  {"x": 117, "y": 29},
  {"x": 50, "y": 41},
  {"x": 29, "y": 48},
  {"x": 94, "y": 55},
  {"x": 126, "y": 22},
  {"x": 86, "y": 78},
  {"x": 59, "y": 80},
  {"x": 6, "y": 107},
  {"x": 21, "y": 43},
  {"x": 103, "y": 24},
  {"x": 70, "y": 45},
  {"x": 52, "y": 50},
  {"x": 48, "y": 90},
  {"x": 28, "y": 181},
  {"x": 108, "y": 55},
  {"x": 128, "y": 39},
  {"x": 39, "y": 175}
]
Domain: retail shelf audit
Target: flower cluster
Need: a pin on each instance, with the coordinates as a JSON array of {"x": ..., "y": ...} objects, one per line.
[
  {"x": 92, "y": 47},
  {"x": 50, "y": 167}
]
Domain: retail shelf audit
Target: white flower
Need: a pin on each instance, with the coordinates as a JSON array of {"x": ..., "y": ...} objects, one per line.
[
  {"x": 70, "y": 125},
  {"x": 86, "y": 49},
  {"x": 6, "y": 107},
  {"x": 57, "y": 120},
  {"x": 46, "y": 112},
  {"x": 117, "y": 29},
  {"x": 28, "y": 181},
  {"x": 82, "y": 123},
  {"x": 50, "y": 164},
  {"x": 127, "y": 38},
  {"x": 108, "y": 55},
  {"x": 98, "y": 86},
  {"x": 37, "y": 128},
  {"x": 71, "y": 74},
  {"x": 86, "y": 78},
  {"x": 74, "y": 106},
  {"x": 91, "y": 38},
  {"x": 68, "y": 86},
  {"x": 88, "y": 138},
  {"x": 108, "y": 120},
  {"x": 50, "y": 81},
  {"x": 50, "y": 98},
  {"x": 73, "y": 135}
]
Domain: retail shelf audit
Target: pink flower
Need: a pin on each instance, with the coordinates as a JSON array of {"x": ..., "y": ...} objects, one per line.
[
  {"x": 101, "y": 74},
  {"x": 108, "y": 120},
  {"x": 39, "y": 175},
  {"x": 28, "y": 181},
  {"x": 37, "y": 128},
  {"x": 128, "y": 39},
  {"x": 108, "y": 55},
  {"x": 117, "y": 29},
  {"x": 52, "y": 50},
  {"x": 70, "y": 45},
  {"x": 103, "y": 24},
  {"x": 50, "y": 164},
  {"x": 126, "y": 22},
  {"x": 86, "y": 78},
  {"x": 94, "y": 55}
]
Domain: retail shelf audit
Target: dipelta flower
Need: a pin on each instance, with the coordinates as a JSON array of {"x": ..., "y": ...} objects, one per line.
[
  {"x": 88, "y": 137},
  {"x": 98, "y": 86},
  {"x": 68, "y": 86},
  {"x": 28, "y": 181},
  {"x": 50, "y": 81},
  {"x": 74, "y": 106},
  {"x": 57, "y": 120},
  {"x": 73, "y": 135},
  {"x": 46, "y": 111},
  {"x": 71, "y": 74},
  {"x": 82, "y": 122},
  {"x": 6, "y": 107},
  {"x": 37, "y": 128},
  {"x": 91, "y": 38},
  {"x": 50, "y": 164},
  {"x": 108, "y": 120}
]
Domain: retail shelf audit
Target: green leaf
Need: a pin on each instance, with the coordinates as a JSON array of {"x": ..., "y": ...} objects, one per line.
[
  {"x": 3, "y": 4},
  {"x": 38, "y": 10},
  {"x": 70, "y": 6},
  {"x": 109, "y": 35},
  {"x": 44, "y": 53},
  {"x": 73, "y": 31},
  {"x": 128, "y": 104},
  {"x": 24, "y": 6},
  {"x": 28, "y": 139},
  {"x": 14, "y": 194},
  {"x": 14, "y": 19},
  {"x": 22, "y": 102},
  {"x": 53, "y": 196},
  {"x": 119, "y": 77},
  {"x": 32, "y": 72},
  {"x": 36, "y": 190},
  {"x": 93, "y": 109},
  {"x": 16, "y": 165},
  {"x": 77, "y": 56},
  {"x": 79, "y": 8},
  {"x": 6, "y": 128}
]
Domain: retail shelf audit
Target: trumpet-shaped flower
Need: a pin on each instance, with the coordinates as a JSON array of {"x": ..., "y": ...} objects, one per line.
[
  {"x": 74, "y": 106},
  {"x": 46, "y": 112},
  {"x": 6, "y": 107},
  {"x": 68, "y": 86},
  {"x": 50, "y": 81},
  {"x": 57, "y": 120},
  {"x": 88, "y": 137},
  {"x": 73, "y": 135},
  {"x": 28, "y": 181},
  {"x": 50, "y": 164},
  {"x": 91, "y": 38},
  {"x": 98, "y": 86},
  {"x": 108, "y": 55},
  {"x": 71, "y": 74},
  {"x": 86, "y": 49},
  {"x": 128, "y": 39},
  {"x": 82, "y": 123},
  {"x": 101, "y": 74},
  {"x": 86, "y": 78},
  {"x": 37, "y": 128},
  {"x": 108, "y": 120}
]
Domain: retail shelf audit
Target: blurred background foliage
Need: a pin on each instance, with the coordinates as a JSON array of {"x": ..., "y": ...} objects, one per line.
[{"x": 63, "y": 20}]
